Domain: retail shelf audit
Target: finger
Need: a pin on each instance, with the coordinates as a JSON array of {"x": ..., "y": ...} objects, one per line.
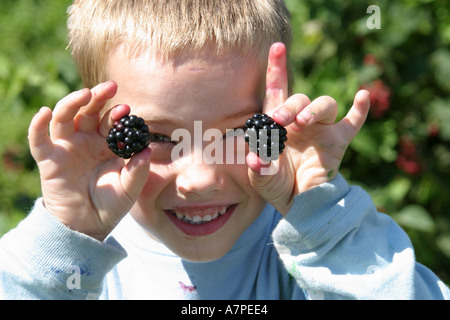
[
  {"x": 265, "y": 178},
  {"x": 261, "y": 173},
  {"x": 256, "y": 164},
  {"x": 134, "y": 174},
  {"x": 66, "y": 109},
  {"x": 322, "y": 110},
  {"x": 289, "y": 110},
  {"x": 116, "y": 113},
  {"x": 301, "y": 112},
  {"x": 276, "y": 78},
  {"x": 357, "y": 114},
  {"x": 119, "y": 112},
  {"x": 38, "y": 138},
  {"x": 88, "y": 117}
]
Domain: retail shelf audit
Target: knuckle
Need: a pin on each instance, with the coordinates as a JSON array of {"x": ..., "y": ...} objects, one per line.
[
  {"x": 328, "y": 100},
  {"x": 301, "y": 98},
  {"x": 297, "y": 101}
]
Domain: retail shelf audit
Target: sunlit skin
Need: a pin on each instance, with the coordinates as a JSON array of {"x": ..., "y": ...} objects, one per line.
[
  {"x": 222, "y": 92},
  {"x": 89, "y": 189}
]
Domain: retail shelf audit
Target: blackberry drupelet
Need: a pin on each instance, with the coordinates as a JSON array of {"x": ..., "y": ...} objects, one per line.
[
  {"x": 265, "y": 136},
  {"x": 129, "y": 135}
]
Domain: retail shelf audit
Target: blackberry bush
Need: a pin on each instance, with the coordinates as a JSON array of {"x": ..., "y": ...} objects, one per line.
[
  {"x": 128, "y": 136},
  {"x": 265, "y": 136}
]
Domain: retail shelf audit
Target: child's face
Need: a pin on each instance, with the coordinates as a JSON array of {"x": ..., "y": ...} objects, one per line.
[{"x": 221, "y": 92}]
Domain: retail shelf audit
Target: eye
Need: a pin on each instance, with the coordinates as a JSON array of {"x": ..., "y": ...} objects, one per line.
[
  {"x": 159, "y": 137},
  {"x": 161, "y": 146}
]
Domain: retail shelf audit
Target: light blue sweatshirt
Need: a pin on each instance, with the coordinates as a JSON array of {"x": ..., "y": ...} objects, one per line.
[{"x": 333, "y": 244}]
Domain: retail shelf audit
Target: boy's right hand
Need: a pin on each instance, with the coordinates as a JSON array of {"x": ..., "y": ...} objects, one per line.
[{"x": 84, "y": 184}]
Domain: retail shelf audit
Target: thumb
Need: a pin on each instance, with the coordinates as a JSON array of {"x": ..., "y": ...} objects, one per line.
[
  {"x": 134, "y": 174},
  {"x": 271, "y": 181},
  {"x": 266, "y": 179},
  {"x": 260, "y": 169}
]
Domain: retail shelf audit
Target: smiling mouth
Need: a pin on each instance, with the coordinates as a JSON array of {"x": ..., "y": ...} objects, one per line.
[
  {"x": 202, "y": 221},
  {"x": 200, "y": 216}
]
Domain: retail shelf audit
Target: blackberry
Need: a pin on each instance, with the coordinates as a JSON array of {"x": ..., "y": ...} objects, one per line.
[
  {"x": 129, "y": 135},
  {"x": 265, "y": 136}
]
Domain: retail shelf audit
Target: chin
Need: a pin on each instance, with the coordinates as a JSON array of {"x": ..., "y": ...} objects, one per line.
[{"x": 203, "y": 250}]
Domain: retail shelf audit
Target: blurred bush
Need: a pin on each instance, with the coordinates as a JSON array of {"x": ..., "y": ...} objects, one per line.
[
  {"x": 35, "y": 70},
  {"x": 401, "y": 156}
]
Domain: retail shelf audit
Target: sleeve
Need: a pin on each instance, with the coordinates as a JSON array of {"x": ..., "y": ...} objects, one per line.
[
  {"x": 337, "y": 246},
  {"x": 43, "y": 259}
]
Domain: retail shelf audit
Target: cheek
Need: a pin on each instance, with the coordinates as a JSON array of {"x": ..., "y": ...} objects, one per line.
[
  {"x": 154, "y": 183},
  {"x": 239, "y": 174},
  {"x": 147, "y": 201},
  {"x": 160, "y": 179}
]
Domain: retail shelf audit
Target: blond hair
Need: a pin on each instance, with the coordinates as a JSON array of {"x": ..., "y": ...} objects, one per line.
[{"x": 168, "y": 27}]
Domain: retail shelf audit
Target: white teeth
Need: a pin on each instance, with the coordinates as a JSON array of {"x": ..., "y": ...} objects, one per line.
[{"x": 197, "y": 219}]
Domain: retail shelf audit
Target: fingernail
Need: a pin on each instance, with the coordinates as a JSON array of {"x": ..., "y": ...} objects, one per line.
[
  {"x": 82, "y": 91},
  {"x": 147, "y": 159},
  {"x": 282, "y": 114},
  {"x": 305, "y": 116}
]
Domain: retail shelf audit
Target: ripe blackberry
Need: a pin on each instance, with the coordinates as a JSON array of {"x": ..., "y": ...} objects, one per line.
[
  {"x": 265, "y": 136},
  {"x": 129, "y": 135}
]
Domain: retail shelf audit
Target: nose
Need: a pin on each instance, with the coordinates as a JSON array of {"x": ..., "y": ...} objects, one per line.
[{"x": 199, "y": 181}]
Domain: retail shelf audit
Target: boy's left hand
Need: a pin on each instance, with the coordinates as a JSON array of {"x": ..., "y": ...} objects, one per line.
[{"x": 316, "y": 144}]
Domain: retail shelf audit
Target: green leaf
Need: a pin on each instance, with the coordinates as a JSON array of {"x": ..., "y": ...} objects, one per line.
[
  {"x": 443, "y": 243},
  {"x": 377, "y": 141},
  {"x": 440, "y": 62},
  {"x": 439, "y": 112},
  {"x": 415, "y": 217},
  {"x": 398, "y": 188}
]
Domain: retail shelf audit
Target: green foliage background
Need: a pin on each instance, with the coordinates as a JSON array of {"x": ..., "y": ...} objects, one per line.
[{"x": 401, "y": 156}]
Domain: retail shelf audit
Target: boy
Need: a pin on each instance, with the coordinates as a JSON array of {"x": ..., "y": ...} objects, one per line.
[{"x": 197, "y": 230}]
